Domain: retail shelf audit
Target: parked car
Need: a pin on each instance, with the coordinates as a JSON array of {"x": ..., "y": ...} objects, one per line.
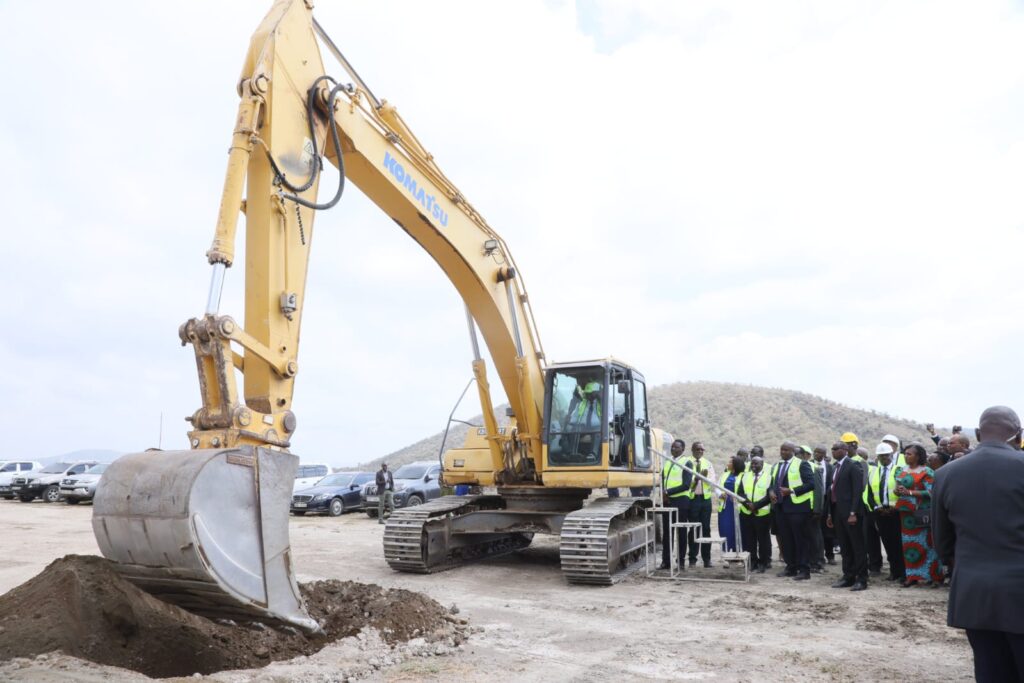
[
  {"x": 334, "y": 494},
  {"x": 82, "y": 486},
  {"x": 11, "y": 469},
  {"x": 45, "y": 483},
  {"x": 309, "y": 475},
  {"x": 415, "y": 484}
]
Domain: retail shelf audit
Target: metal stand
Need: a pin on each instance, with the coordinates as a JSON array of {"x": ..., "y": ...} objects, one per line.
[
  {"x": 651, "y": 515},
  {"x": 734, "y": 559}
]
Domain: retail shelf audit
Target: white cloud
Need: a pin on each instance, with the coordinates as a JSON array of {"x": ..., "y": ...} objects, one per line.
[{"x": 816, "y": 196}]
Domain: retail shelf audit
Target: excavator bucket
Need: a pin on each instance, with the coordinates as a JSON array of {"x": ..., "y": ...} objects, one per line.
[{"x": 206, "y": 530}]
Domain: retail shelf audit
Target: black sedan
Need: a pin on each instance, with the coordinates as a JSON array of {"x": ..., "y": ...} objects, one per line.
[{"x": 333, "y": 495}]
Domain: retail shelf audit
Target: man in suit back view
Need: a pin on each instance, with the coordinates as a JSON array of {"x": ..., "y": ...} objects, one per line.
[{"x": 978, "y": 527}]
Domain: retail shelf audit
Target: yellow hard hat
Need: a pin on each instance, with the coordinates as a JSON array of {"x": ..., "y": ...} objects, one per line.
[{"x": 849, "y": 437}]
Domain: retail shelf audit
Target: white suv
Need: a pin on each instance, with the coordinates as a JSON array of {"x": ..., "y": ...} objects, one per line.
[{"x": 12, "y": 468}]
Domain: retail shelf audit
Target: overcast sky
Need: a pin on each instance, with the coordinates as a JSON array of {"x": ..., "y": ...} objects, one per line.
[{"x": 816, "y": 196}]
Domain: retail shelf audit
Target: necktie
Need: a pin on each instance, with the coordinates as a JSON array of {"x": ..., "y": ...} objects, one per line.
[
  {"x": 884, "y": 485},
  {"x": 835, "y": 477},
  {"x": 783, "y": 474}
]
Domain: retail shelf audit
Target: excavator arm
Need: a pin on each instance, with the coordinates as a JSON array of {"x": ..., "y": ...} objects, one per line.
[
  {"x": 207, "y": 528},
  {"x": 290, "y": 118}
]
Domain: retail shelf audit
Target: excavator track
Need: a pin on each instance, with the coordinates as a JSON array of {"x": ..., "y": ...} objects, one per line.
[
  {"x": 604, "y": 542},
  {"x": 416, "y": 539}
]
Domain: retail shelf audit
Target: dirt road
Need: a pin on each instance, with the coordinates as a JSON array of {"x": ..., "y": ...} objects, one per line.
[{"x": 532, "y": 626}]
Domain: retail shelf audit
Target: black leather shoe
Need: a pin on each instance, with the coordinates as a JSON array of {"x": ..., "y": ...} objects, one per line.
[
  {"x": 760, "y": 570},
  {"x": 693, "y": 563},
  {"x": 859, "y": 586},
  {"x": 784, "y": 574},
  {"x": 842, "y": 583},
  {"x": 662, "y": 566},
  {"x": 876, "y": 572},
  {"x": 802, "y": 577},
  {"x": 832, "y": 560},
  {"x": 707, "y": 565}
]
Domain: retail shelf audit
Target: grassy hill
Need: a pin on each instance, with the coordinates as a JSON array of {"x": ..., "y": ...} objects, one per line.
[{"x": 727, "y": 417}]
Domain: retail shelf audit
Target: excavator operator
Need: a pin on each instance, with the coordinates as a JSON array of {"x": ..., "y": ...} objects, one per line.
[{"x": 583, "y": 419}]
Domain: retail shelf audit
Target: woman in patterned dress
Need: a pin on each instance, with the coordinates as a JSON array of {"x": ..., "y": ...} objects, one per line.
[{"x": 914, "y": 487}]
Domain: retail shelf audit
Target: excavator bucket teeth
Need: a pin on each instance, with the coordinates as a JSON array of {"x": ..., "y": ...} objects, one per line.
[{"x": 206, "y": 530}]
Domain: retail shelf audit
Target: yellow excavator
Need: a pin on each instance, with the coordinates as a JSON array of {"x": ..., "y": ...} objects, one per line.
[{"x": 207, "y": 528}]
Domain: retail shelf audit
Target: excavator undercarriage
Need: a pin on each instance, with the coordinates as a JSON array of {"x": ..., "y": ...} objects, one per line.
[{"x": 599, "y": 543}]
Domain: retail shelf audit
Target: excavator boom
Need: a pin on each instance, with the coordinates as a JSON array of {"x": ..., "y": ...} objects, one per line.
[{"x": 207, "y": 528}]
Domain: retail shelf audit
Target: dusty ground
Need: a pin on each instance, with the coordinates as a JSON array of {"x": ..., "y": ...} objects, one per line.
[{"x": 531, "y": 626}]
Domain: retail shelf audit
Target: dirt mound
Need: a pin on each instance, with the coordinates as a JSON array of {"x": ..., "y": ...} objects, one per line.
[{"x": 81, "y": 605}]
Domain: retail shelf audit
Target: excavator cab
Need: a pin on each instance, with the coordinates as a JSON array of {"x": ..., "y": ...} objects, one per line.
[{"x": 596, "y": 417}]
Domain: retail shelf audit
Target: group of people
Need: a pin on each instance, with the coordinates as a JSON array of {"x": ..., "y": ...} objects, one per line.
[
  {"x": 954, "y": 513},
  {"x": 815, "y": 501}
]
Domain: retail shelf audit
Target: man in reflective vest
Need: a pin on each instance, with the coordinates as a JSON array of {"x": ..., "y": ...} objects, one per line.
[
  {"x": 584, "y": 419},
  {"x": 792, "y": 492},
  {"x": 675, "y": 482},
  {"x": 700, "y": 495},
  {"x": 881, "y": 496},
  {"x": 755, "y": 523}
]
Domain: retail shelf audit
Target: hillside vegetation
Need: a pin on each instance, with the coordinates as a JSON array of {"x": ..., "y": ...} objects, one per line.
[{"x": 727, "y": 417}]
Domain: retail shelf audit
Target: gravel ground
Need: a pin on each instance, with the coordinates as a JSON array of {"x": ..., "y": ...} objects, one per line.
[{"x": 528, "y": 625}]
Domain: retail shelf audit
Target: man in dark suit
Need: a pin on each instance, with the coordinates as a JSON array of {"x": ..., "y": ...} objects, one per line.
[
  {"x": 792, "y": 493},
  {"x": 847, "y": 518},
  {"x": 978, "y": 505}
]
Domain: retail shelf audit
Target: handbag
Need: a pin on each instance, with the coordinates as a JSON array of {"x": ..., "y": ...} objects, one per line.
[{"x": 922, "y": 518}]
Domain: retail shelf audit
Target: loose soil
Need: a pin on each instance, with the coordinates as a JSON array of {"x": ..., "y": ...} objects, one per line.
[{"x": 80, "y": 605}]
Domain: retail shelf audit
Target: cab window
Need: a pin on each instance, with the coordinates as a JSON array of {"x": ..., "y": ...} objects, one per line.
[{"x": 577, "y": 416}]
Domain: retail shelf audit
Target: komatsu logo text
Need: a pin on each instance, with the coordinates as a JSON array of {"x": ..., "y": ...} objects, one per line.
[{"x": 427, "y": 201}]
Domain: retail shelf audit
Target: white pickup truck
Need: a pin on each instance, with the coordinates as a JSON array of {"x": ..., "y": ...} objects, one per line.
[{"x": 12, "y": 468}]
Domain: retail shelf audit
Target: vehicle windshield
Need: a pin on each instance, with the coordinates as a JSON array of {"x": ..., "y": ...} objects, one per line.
[
  {"x": 577, "y": 416},
  {"x": 410, "y": 472},
  {"x": 97, "y": 469},
  {"x": 55, "y": 468},
  {"x": 340, "y": 479}
]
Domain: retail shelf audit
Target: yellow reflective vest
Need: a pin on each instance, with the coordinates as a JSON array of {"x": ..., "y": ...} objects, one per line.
[
  {"x": 696, "y": 465},
  {"x": 755, "y": 487},
  {"x": 722, "y": 500},
  {"x": 672, "y": 476},
  {"x": 794, "y": 481},
  {"x": 874, "y": 484}
]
